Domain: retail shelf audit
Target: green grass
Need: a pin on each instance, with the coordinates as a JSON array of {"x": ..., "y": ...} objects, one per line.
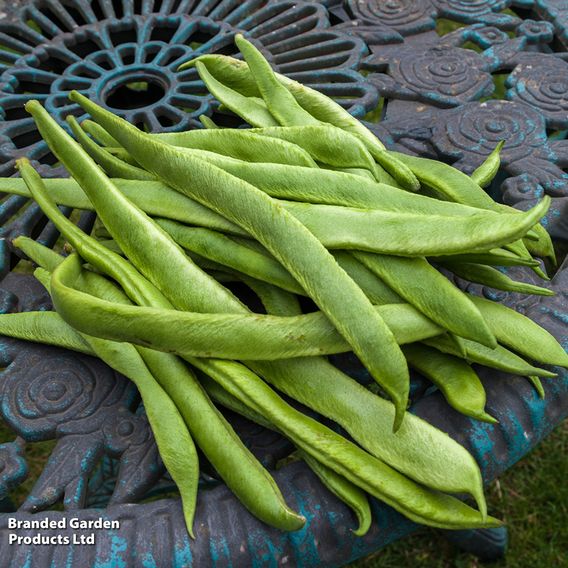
[{"x": 532, "y": 499}]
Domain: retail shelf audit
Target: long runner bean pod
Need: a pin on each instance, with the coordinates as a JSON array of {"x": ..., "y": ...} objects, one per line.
[
  {"x": 494, "y": 257},
  {"x": 173, "y": 439},
  {"x": 335, "y": 227},
  {"x": 521, "y": 334},
  {"x": 153, "y": 197},
  {"x": 347, "y": 491},
  {"x": 466, "y": 476},
  {"x": 287, "y": 239},
  {"x": 245, "y": 145},
  {"x": 326, "y": 143},
  {"x": 328, "y": 187},
  {"x": 99, "y": 133},
  {"x": 485, "y": 173},
  {"x": 222, "y": 249},
  {"x": 499, "y": 358},
  {"x": 420, "y": 284},
  {"x": 279, "y": 101},
  {"x": 350, "y": 461},
  {"x": 243, "y": 474},
  {"x": 494, "y": 278},
  {"x": 236, "y": 75},
  {"x": 254, "y": 113},
  {"x": 113, "y": 165},
  {"x": 457, "y": 186},
  {"x": 457, "y": 381},
  {"x": 224, "y": 336}
]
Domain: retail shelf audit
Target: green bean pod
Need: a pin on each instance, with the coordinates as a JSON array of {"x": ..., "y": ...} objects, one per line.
[
  {"x": 521, "y": 334},
  {"x": 499, "y": 358},
  {"x": 335, "y": 227},
  {"x": 246, "y": 145},
  {"x": 224, "y": 336},
  {"x": 287, "y": 239},
  {"x": 280, "y": 102},
  {"x": 250, "y": 110},
  {"x": 494, "y": 257},
  {"x": 345, "y": 490},
  {"x": 489, "y": 276},
  {"x": 113, "y": 165},
  {"x": 485, "y": 173},
  {"x": 99, "y": 133},
  {"x": 224, "y": 250},
  {"x": 325, "y": 143},
  {"x": 457, "y": 186},
  {"x": 421, "y": 285},
  {"x": 153, "y": 197},
  {"x": 456, "y": 380}
]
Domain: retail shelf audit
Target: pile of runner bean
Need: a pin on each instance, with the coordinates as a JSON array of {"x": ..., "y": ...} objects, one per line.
[{"x": 305, "y": 204}]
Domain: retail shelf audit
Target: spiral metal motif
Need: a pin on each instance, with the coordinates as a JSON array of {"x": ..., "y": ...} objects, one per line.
[
  {"x": 444, "y": 75},
  {"x": 543, "y": 85},
  {"x": 469, "y": 10},
  {"x": 52, "y": 390},
  {"x": 476, "y": 128},
  {"x": 404, "y": 16}
]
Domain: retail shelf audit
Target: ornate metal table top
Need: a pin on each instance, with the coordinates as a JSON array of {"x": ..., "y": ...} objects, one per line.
[{"x": 501, "y": 72}]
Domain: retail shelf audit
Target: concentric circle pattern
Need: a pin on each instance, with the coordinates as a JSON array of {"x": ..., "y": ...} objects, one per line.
[{"x": 476, "y": 128}]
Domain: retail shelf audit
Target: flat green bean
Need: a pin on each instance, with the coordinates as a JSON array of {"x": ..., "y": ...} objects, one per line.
[
  {"x": 485, "y": 173},
  {"x": 110, "y": 163},
  {"x": 492, "y": 277},
  {"x": 253, "y": 112},
  {"x": 246, "y": 145},
  {"x": 421, "y": 285},
  {"x": 348, "y": 492},
  {"x": 287, "y": 239},
  {"x": 521, "y": 334},
  {"x": 457, "y": 381},
  {"x": 499, "y": 358}
]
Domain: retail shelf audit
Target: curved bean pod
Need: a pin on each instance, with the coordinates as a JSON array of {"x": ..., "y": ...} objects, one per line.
[
  {"x": 521, "y": 334},
  {"x": 489, "y": 276},
  {"x": 485, "y": 173},
  {"x": 457, "y": 381},
  {"x": 224, "y": 336},
  {"x": 420, "y": 284},
  {"x": 246, "y": 145},
  {"x": 113, "y": 165},
  {"x": 287, "y": 239},
  {"x": 499, "y": 358},
  {"x": 250, "y": 110},
  {"x": 348, "y": 492},
  {"x": 153, "y": 197},
  {"x": 280, "y": 102},
  {"x": 99, "y": 133},
  {"x": 222, "y": 249}
]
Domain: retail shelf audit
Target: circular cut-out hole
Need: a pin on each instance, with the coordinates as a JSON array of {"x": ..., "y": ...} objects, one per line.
[{"x": 135, "y": 94}]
